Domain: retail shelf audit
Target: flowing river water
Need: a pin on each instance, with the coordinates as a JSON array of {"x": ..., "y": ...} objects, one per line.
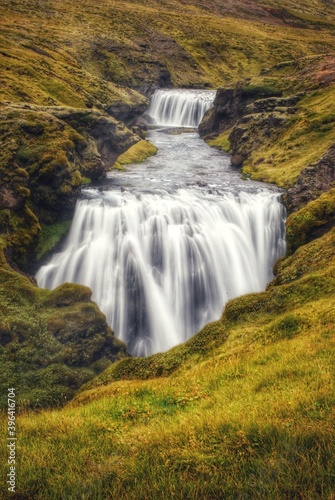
[{"x": 165, "y": 244}]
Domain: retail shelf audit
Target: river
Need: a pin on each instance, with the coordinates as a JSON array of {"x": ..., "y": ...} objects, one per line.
[{"x": 165, "y": 244}]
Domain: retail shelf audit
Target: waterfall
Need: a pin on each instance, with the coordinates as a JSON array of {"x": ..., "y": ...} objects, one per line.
[
  {"x": 162, "y": 265},
  {"x": 179, "y": 107}
]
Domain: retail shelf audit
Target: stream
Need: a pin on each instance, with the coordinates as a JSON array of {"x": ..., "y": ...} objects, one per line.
[{"x": 166, "y": 244}]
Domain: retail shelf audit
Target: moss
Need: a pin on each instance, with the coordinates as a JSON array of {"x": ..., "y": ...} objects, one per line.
[
  {"x": 221, "y": 142},
  {"x": 66, "y": 295},
  {"x": 265, "y": 90},
  {"x": 163, "y": 364},
  {"x": 313, "y": 219},
  {"x": 136, "y": 154},
  {"x": 51, "y": 341},
  {"x": 304, "y": 138},
  {"x": 50, "y": 237}
]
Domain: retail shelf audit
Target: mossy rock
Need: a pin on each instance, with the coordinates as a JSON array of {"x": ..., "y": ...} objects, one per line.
[
  {"x": 67, "y": 295},
  {"x": 137, "y": 153},
  {"x": 51, "y": 342}
]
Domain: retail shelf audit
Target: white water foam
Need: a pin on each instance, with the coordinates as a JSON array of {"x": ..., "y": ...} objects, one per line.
[{"x": 162, "y": 266}]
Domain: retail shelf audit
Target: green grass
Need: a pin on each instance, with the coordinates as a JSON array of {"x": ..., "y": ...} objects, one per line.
[
  {"x": 244, "y": 409},
  {"x": 308, "y": 136},
  {"x": 84, "y": 61},
  {"x": 277, "y": 154}
]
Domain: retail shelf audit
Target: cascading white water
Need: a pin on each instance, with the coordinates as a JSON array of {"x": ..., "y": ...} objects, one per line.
[
  {"x": 162, "y": 266},
  {"x": 179, "y": 107}
]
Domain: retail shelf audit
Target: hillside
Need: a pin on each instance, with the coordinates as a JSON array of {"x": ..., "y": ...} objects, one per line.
[{"x": 244, "y": 409}]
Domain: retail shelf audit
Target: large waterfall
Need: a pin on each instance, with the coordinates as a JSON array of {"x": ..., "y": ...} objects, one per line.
[
  {"x": 178, "y": 107},
  {"x": 164, "y": 245}
]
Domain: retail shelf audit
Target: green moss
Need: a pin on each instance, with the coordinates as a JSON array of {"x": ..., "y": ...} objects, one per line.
[
  {"x": 136, "y": 153},
  {"x": 305, "y": 137},
  {"x": 51, "y": 341},
  {"x": 50, "y": 237},
  {"x": 252, "y": 90},
  {"x": 221, "y": 142}
]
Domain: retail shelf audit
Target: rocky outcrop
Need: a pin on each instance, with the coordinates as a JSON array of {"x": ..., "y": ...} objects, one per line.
[
  {"x": 51, "y": 341},
  {"x": 106, "y": 137},
  {"x": 252, "y": 130},
  {"x": 127, "y": 113},
  {"x": 229, "y": 106},
  {"x": 47, "y": 153},
  {"x": 253, "y": 115},
  {"x": 312, "y": 181}
]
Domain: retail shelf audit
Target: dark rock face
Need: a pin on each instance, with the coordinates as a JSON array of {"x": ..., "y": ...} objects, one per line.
[
  {"x": 312, "y": 181},
  {"x": 252, "y": 113},
  {"x": 229, "y": 106},
  {"x": 252, "y": 130}
]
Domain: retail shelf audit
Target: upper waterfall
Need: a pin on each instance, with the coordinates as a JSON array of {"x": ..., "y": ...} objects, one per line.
[{"x": 179, "y": 107}]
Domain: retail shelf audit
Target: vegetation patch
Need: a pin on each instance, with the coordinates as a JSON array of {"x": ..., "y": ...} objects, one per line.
[
  {"x": 244, "y": 409},
  {"x": 221, "y": 142},
  {"x": 137, "y": 153},
  {"x": 51, "y": 341},
  {"x": 315, "y": 218},
  {"x": 50, "y": 237}
]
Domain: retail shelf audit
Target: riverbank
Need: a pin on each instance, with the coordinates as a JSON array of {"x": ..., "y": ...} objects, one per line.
[{"x": 246, "y": 407}]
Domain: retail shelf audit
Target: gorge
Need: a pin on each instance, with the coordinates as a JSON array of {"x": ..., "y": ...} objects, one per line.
[{"x": 167, "y": 243}]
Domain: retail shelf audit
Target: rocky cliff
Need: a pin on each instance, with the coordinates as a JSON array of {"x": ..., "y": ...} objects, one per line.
[{"x": 47, "y": 153}]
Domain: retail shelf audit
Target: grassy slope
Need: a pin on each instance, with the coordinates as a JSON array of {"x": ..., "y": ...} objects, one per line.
[{"x": 247, "y": 410}]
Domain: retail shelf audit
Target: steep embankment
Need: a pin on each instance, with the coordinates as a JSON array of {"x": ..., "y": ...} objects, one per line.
[
  {"x": 280, "y": 128},
  {"x": 243, "y": 409}
]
